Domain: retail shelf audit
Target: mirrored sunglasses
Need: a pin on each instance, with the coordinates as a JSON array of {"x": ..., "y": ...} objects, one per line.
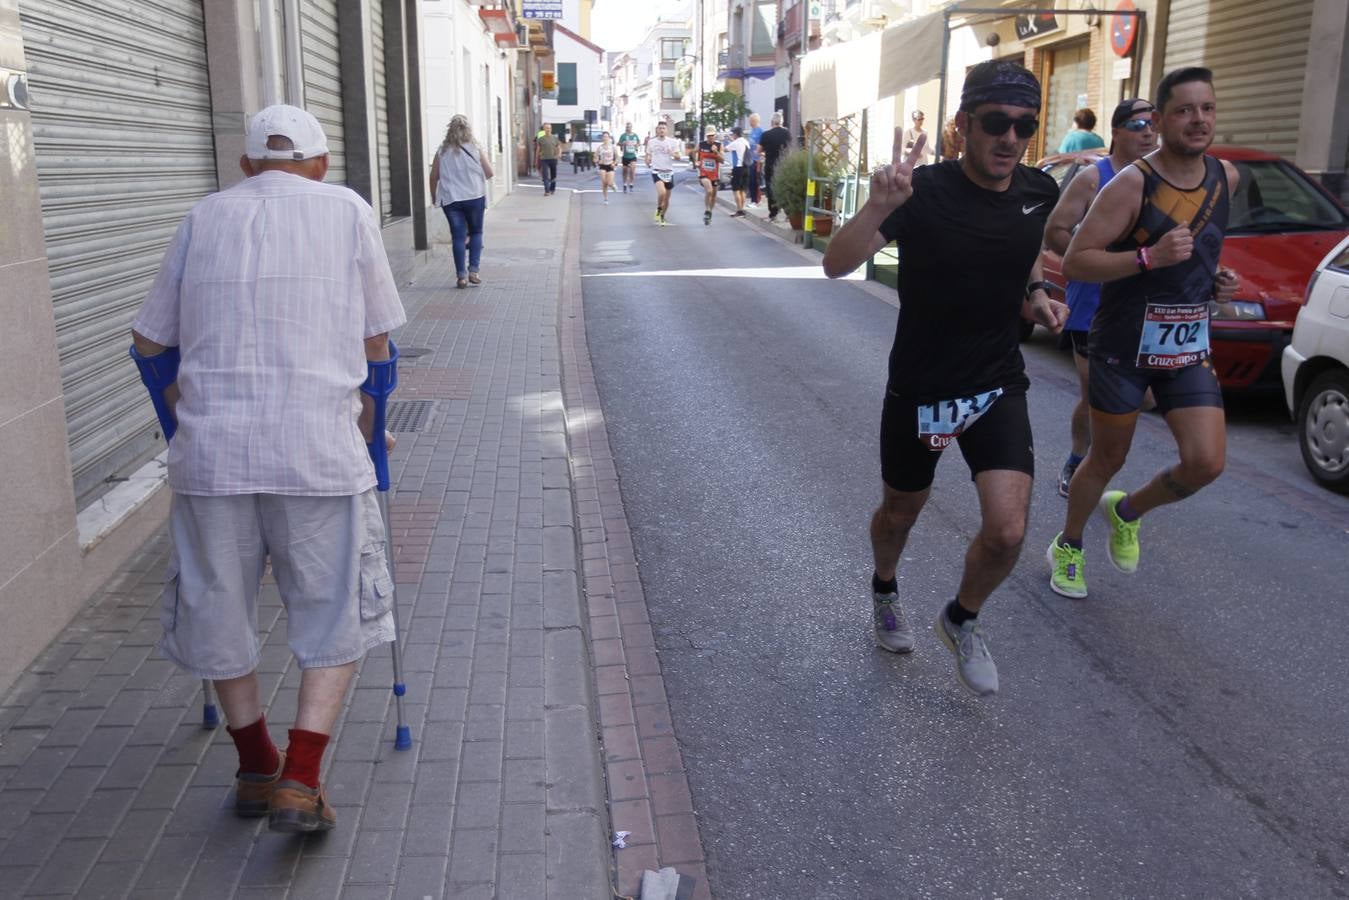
[
  {"x": 995, "y": 124},
  {"x": 1141, "y": 123}
]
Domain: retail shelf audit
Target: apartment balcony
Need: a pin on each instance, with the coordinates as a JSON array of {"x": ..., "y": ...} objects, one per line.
[{"x": 789, "y": 26}]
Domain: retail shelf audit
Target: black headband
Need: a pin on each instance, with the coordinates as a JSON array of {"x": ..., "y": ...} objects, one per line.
[{"x": 1001, "y": 82}]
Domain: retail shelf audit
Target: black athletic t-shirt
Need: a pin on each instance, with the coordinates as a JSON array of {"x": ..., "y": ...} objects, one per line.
[
  {"x": 774, "y": 141},
  {"x": 965, "y": 255}
]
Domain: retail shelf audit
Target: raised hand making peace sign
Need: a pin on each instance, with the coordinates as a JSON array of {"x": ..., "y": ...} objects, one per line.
[{"x": 892, "y": 185}]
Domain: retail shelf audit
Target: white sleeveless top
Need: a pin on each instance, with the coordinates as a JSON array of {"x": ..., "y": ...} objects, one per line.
[{"x": 461, "y": 176}]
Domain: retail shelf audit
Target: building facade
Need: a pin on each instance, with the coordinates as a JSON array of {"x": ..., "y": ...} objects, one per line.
[
  {"x": 118, "y": 119},
  {"x": 470, "y": 69},
  {"x": 579, "y": 78}
]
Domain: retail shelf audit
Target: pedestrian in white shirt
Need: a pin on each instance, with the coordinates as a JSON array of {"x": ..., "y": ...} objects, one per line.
[
  {"x": 661, "y": 153},
  {"x": 276, "y": 293},
  {"x": 738, "y": 150},
  {"x": 459, "y": 175}
]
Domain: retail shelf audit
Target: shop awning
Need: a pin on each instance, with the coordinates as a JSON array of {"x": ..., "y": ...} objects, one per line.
[{"x": 846, "y": 78}]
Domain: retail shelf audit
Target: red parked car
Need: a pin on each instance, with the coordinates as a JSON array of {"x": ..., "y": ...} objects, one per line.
[{"x": 1281, "y": 225}]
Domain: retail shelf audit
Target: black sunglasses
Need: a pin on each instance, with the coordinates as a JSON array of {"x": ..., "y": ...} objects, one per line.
[
  {"x": 1141, "y": 123},
  {"x": 995, "y": 124}
]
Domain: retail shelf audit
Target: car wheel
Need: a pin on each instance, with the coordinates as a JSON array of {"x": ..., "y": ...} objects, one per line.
[
  {"x": 1027, "y": 329},
  {"x": 1323, "y": 429}
]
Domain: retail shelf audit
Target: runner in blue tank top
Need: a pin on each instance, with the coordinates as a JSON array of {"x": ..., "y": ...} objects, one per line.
[
  {"x": 1152, "y": 239},
  {"x": 1132, "y": 134}
]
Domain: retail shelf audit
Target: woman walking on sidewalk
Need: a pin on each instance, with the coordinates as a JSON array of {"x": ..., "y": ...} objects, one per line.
[{"x": 459, "y": 176}]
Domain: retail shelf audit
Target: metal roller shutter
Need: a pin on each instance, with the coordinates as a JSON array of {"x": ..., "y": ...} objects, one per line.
[
  {"x": 1258, "y": 53},
  {"x": 122, "y": 127},
  {"x": 381, "y": 109},
  {"x": 321, "y": 56}
]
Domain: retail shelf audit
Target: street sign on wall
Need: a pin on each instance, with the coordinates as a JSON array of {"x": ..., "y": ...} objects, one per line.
[{"x": 541, "y": 9}]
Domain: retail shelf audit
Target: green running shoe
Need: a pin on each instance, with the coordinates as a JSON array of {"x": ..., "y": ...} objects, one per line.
[
  {"x": 1068, "y": 577},
  {"x": 1123, "y": 542}
]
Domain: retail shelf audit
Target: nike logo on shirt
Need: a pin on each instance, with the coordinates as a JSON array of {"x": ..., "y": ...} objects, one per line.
[{"x": 1027, "y": 210}]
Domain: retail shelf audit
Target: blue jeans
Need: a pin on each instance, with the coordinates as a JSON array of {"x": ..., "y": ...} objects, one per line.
[
  {"x": 548, "y": 173},
  {"x": 466, "y": 228}
]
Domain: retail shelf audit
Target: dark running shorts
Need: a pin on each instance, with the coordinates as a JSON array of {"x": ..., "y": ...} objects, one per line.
[
  {"x": 1118, "y": 389},
  {"x": 606, "y": 167},
  {"x": 629, "y": 160},
  {"x": 1000, "y": 439},
  {"x": 1075, "y": 339},
  {"x": 668, "y": 180},
  {"x": 739, "y": 178}
]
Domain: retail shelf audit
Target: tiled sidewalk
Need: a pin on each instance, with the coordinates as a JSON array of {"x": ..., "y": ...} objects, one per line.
[{"x": 109, "y": 786}]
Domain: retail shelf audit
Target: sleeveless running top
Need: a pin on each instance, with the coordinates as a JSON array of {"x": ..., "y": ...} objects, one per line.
[
  {"x": 1130, "y": 306},
  {"x": 1085, "y": 296},
  {"x": 605, "y": 154},
  {"x": 708, "y": 164}
]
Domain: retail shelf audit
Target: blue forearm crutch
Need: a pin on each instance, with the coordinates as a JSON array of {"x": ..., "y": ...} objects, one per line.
[
  {"x": 380, "y": 382},
  {"x": 157, "y": 374}
]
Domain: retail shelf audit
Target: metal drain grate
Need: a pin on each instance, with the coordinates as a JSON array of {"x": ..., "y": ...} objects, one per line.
[{"x": 407, "y": 415}]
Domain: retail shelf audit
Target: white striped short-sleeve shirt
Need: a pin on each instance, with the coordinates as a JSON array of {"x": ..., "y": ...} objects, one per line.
[{"x": 269, "y": 289}]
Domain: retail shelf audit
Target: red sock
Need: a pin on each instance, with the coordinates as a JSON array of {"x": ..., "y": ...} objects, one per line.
[
  {"x": 257, "y": 753},
  {"x": 303, "y": 756}
]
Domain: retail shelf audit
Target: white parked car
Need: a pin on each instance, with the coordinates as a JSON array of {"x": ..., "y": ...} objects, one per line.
[{"x": 1316, "y": 372}]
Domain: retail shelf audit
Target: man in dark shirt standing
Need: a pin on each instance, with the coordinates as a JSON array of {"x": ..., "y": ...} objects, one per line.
[
  {"x": 969, "y": 234},
  {"x": 772, "y": 145}
]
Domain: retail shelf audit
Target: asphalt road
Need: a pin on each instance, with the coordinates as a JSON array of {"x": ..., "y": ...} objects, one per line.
[{"x": 1181, "y": 733}]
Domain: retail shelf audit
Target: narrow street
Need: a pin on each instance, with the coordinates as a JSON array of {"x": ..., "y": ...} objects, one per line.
[{"x": 1181, "y": 733}]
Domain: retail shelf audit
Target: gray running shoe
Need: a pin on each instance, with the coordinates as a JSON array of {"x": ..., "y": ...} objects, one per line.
[
  {"x": 974, "y": 665},
  {"x": 1066, "y": 478},
  {"x": 893, "y": 631}
]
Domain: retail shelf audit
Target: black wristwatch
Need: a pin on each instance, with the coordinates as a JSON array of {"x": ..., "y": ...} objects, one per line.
[{"x": 1046, "y": 286}]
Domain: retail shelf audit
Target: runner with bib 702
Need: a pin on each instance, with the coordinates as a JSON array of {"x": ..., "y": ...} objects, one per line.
[
  {"x": 969, "y": 234},
  {"x": 1153, "y": 238}
]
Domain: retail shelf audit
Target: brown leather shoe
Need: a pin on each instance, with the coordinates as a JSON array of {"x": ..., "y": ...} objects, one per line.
[
  {"x": 473, "y": 278},
  {"x": 296, "y": 807},
  {"x": 253, "y": 792}
]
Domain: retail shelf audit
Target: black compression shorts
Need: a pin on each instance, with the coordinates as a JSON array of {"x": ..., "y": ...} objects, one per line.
[
  {"x": 605, "y": 167},
  {"x": 1118, "y": 388},
  {"x": 1000, "y": 439}
]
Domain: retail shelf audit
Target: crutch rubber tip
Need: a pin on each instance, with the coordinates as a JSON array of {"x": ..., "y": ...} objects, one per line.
[
  {"x": 403, "y": 738},
  {"x": 210, "y": 716},
  {"x": 399, "y": 689}
]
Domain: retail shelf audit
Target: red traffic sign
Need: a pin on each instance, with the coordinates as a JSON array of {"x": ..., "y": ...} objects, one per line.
[{"x": 1123, "y": 29}]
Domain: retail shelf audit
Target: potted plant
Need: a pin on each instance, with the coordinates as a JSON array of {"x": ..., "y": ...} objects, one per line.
[{"x": 789, "y": 186}]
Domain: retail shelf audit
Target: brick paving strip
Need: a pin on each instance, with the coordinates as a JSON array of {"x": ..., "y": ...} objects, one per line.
[
  {"x": 648, "y": 788},
  {"x": 109, "y": 787}
]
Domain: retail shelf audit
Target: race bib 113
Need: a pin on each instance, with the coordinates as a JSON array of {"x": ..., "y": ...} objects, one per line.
[{"x": 940, "y": 423}]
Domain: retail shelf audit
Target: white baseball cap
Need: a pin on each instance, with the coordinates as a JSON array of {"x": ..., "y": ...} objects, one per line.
[{"x": 303, "y": 130}]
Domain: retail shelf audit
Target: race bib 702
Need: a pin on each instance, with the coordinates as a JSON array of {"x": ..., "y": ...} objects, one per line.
[{"x": 1173, "y": 336}]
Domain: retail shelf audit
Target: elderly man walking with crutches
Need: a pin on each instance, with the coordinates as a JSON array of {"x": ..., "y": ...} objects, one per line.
[{"x": 275, "y": 294}]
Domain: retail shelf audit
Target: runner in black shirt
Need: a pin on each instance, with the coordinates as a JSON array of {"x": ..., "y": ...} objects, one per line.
[{"x": 969, "y": 234}]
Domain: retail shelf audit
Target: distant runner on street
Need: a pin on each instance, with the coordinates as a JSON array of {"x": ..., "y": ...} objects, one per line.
[
  {"x": 709, "y": 170},
  {"x": 629, "y": 143},
  {"x": 969, "y": 233},
  {"x": 1133, "y": 133},
  {"x": 606, "y": 155},
  {"x": 661, "y": 154},
  {"x": 1153, "y": 238}
]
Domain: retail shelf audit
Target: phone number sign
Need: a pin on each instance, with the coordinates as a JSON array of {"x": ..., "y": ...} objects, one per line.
[{"x": 542, "y": 9}]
